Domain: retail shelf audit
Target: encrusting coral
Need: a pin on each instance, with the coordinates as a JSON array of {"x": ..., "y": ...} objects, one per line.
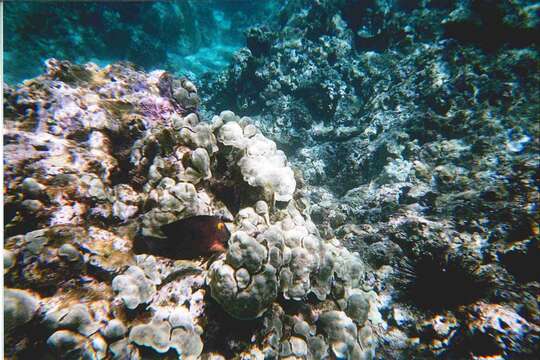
[{"x": 98, "y": 159}]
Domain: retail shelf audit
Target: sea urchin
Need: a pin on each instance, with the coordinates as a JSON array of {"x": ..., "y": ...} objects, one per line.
[{"x": 440, "y": 278}]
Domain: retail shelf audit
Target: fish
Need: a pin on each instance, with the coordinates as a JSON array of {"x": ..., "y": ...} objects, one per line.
[{"x": 189, "y": 238}]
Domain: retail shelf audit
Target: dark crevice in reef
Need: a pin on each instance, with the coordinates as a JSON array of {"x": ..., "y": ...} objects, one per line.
[
  {"x": 122, "y": 143},
  {"x": 228, "y": 184},
  {"x": 522, "y": 261},
  {"x": 20, "y": 227},
  {"x": 489, "y": 27},
  {"x": 19, "y": 220},
  {"x": 30, "y": 338},
  {"x": 226, "y": 334},
  {"x": 10, "y": 211},
  {"x": 465, "y": 344}
]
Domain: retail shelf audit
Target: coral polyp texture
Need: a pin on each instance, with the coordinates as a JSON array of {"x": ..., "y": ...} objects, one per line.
[{"x": 97, "y": 162}]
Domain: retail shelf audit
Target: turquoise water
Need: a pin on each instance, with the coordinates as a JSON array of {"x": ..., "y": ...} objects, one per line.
[{"x": 192, "y": 36}]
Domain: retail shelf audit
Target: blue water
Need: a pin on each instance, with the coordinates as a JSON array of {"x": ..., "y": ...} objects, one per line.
[{"x": 185, "y": 37}]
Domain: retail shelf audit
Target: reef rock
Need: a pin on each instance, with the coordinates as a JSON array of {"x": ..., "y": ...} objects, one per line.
[
  {"x": 108, "y": 157},
  {"x": 414, "y": 128}
]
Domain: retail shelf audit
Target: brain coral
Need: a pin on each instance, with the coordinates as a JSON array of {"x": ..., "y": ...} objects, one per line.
[{"x": 97, "y": 161}]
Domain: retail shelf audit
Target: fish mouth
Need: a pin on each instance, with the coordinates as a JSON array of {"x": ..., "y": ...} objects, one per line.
[{"x": 217, "y": 247}]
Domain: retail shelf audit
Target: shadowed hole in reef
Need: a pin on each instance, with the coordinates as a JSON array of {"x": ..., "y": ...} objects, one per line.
[
  {"x": 28, "y": 340},
  {"x": 523, "y": 262},
  {"x": 224, "y": 333},
  {"x": 438, "y": 280},
  {"x": 10, "y": 211},
  {"x": 484, "y": 345},
  {"x": 15, "y": 223},
  {"x": 228, "y": 184},
  {"x": 464, "y": 346}
]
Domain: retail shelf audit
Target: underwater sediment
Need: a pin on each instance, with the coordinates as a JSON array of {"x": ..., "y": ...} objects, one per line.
[{"x": 379, "y": 202}]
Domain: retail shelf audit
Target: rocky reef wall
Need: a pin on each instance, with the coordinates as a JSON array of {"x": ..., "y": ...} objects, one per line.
[{"x": 415, "y": 127}]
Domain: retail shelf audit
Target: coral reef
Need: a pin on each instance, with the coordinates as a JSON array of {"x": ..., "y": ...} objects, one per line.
[
  {"x": 414, "y": 126},
  {"x": 100, "y": 159},
  {"x": 376, "y": 179}
]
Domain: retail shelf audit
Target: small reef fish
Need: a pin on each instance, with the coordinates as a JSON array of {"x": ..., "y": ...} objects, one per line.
[{"x": 189, "y": 238}]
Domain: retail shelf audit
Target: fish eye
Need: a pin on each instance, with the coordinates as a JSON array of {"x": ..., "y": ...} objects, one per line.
[{"x": 220, "y": 226}]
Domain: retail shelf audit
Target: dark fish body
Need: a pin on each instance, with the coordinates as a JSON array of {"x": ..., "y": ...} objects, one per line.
[{"x": 192, "y": 237}]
